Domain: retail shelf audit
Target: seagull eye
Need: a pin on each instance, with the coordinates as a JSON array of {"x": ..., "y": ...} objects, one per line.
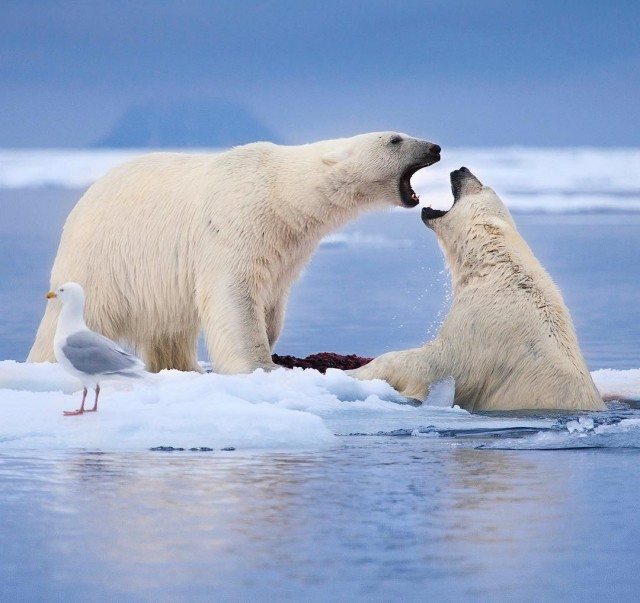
[{"x": 61, "y": 290}]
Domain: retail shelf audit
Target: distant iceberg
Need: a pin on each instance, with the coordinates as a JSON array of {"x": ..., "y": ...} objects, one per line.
[{"x": 196, "y": 123}]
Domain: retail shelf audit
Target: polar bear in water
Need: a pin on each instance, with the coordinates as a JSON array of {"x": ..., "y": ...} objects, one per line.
[
  {"x": 169, "y": 243},
  {"x": 508, "y": 340}
]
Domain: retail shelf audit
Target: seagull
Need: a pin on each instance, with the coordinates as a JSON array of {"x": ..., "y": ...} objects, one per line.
[{"x": 87, "y": 355}]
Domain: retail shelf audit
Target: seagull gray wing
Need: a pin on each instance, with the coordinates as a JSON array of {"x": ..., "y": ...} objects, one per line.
[{"x": 93, "y": 354}]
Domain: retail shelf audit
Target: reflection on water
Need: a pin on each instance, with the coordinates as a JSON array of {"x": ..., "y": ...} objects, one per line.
[{"x": 373, "y": 520}]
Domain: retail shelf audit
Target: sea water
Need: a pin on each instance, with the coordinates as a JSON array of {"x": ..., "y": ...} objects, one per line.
[{"x": 357, "y": 496}]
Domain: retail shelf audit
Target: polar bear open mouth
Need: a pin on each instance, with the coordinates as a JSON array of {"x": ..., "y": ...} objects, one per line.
[{"x": 408, "y": 196}]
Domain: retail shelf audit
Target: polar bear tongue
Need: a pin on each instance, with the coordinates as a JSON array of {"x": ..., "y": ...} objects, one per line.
[{"x": 463, "y": 182}]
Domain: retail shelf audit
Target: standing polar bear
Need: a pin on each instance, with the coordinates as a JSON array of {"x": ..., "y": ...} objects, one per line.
[
  {"x": 169, "y": 243},
  {"x": 508, "y": 340}
]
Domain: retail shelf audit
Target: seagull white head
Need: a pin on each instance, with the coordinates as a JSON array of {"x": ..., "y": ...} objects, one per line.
[
  {"x": 70, "y": 294},
  {"x": 72, "y": 297}
]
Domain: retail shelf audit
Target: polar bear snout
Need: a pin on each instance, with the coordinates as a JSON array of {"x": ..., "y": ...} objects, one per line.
[
  {"x": 434, "y": 149},
  {"x": 463, "y": 182},
  {"x": 430, "y": 154}
]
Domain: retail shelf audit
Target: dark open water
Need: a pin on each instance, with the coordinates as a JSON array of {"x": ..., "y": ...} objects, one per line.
[{"x": 376, "y": 518}]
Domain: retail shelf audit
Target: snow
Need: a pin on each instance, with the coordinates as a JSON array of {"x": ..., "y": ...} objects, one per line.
[
  {"x": 73, "y": 168},
  {"x": 618, "y": 384},
  {"x": 528, "y": 178},
  {"x": 280, "y": 410}
]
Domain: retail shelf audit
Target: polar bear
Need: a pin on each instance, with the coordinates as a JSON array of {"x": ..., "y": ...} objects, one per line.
[
  {"x": 169, "y": 243},
  {"x": 508, "y": 340}
]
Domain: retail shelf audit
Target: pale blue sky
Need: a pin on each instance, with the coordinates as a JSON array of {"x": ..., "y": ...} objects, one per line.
[{"x": 458, "y": 72}]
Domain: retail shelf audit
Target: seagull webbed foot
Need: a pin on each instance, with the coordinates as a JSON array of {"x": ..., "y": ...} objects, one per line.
[{"x": 71, "y": 413}]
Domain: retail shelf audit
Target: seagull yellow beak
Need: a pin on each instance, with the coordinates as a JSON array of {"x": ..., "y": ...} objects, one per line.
[{"x": 51, "y": 294}]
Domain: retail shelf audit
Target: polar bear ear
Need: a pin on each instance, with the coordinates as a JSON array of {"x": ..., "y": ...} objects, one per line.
[{"x": 337, "y": 155}]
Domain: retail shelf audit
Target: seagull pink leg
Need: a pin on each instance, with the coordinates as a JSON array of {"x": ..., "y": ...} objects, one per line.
[
  {"x": 71, "y": 413},
  {"x": 95, "y": 402}
]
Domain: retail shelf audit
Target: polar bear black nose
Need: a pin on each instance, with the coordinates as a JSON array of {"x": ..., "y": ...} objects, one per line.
[
  {"x": 462, "y": 174},
  {"x": 434, "y": 148},
  {"x": 463, "y": 182}
]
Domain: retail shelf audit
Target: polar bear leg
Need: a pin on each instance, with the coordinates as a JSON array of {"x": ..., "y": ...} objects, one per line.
[
  {"x": 410, "y": 372},
  {"x": 236, "y": 333},
  {"x": 42, "y": 349},
  {"x": 274, "y": 318},
  {"x": 175, "y": 351}
]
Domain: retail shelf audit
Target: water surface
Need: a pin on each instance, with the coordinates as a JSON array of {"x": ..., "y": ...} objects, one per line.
[{"x": 374, "y": 519}]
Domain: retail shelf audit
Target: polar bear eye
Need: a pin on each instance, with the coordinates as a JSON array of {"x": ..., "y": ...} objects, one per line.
[{"x": 395, "y": 139}]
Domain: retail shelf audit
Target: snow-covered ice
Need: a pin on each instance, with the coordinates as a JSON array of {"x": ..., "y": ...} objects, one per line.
[
  {"x": 68, "y": 168},
  {"x": 283, "y": 409}
]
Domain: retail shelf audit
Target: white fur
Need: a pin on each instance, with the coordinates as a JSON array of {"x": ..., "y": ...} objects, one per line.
[
  {"x": 508, "y": 340},
  {"x": 168, "y": 243}
]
